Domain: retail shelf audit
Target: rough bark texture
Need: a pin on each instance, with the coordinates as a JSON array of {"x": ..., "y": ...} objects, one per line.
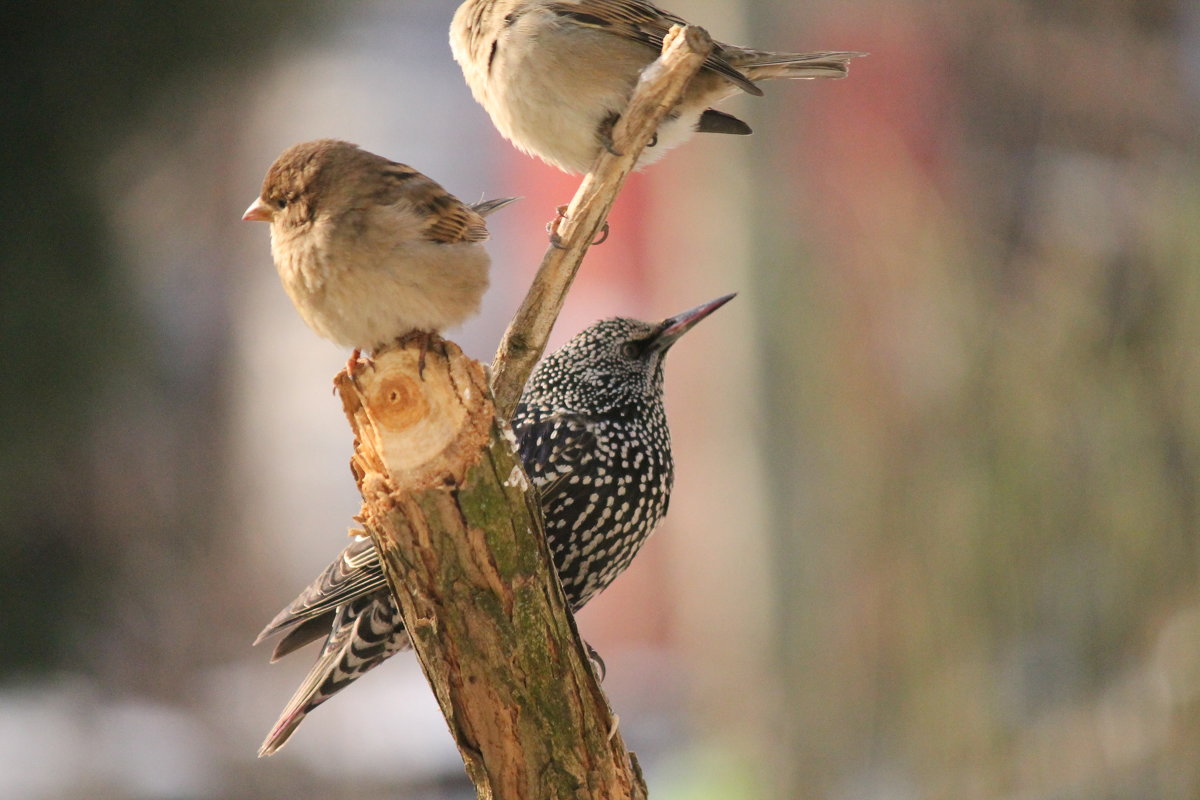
[
  {"x": 658, "y": 91},
  {"x": 449, "y": 509}
]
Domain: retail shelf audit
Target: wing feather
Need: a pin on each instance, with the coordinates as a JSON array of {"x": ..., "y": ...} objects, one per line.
[
  {"x": 353, "y": 574},
  {"x": 646, "y": 23}
]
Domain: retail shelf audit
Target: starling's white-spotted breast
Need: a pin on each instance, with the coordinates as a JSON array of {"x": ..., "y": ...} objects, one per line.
[{"x": 592, "y": 435}]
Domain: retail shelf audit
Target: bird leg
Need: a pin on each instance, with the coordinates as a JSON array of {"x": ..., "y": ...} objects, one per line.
[
  {"x": 356, "y": 358},
  {"x": 601, "y": 671},
  {"x": 605, "y": 131},
  {"x": 560, "y": 217},
  {"x": 552, "y": 228},
  {"x": 426, "y": 341},
  {"x": 605, "y": 134}
]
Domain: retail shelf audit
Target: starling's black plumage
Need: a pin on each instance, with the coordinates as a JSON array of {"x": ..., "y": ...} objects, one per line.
[{"x": 592, "y": 434}]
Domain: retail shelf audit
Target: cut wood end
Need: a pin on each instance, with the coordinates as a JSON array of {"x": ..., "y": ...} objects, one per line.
[
  {"x": 686, "y": 37},
  {"x": 428, "y": 424},
  {"x": 697, "y": 39}
]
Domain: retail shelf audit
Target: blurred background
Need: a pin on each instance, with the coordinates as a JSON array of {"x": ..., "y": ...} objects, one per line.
[{"x": 934, "y": 532}]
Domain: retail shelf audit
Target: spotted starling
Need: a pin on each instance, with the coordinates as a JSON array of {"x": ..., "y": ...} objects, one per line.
[{"x": 592, "y": 435}]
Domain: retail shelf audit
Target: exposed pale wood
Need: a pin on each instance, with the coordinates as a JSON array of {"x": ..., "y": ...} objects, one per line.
[{"x": 658, "y": 91}]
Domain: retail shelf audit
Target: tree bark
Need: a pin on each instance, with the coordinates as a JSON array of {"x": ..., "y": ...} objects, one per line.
[{"x": 459, "y": 527}]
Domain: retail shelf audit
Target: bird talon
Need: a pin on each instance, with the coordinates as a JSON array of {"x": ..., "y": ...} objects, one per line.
[
  {"x": 597, "y": 662},
  {"x": 356, "y": 360},
  {"x": 552, "y": 227},
  {"x": 603, "y": 237},
  {"x": 556, "y": 240},
  {"x": 426, "y": 341},
  {"x": 605, "y": 133}
]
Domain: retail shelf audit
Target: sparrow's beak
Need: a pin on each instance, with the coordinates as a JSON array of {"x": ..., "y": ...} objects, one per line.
[
  {"x": 672, "y": 328},
  {"x": 259, "y": 212}
]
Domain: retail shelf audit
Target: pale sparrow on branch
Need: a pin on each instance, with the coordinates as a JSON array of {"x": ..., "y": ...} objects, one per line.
[
  {"x": 555, "y": 76},
  {"x": 370, "y": 250}
]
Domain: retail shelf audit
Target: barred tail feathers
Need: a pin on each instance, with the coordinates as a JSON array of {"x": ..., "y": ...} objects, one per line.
[{"x": 366, "y": 632}]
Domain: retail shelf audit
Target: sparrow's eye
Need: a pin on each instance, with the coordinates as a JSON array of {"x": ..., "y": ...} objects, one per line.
[
  {"x": 630, "y": 350},
  {"x": 281, "y": 202}
]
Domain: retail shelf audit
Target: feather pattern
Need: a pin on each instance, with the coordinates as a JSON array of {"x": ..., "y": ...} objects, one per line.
[{"x": 646, "y": 23}]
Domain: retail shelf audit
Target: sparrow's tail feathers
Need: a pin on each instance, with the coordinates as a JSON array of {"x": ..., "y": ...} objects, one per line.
[
  {"x": 488, "y": 206},
  {"x": 760, "y": 65}
]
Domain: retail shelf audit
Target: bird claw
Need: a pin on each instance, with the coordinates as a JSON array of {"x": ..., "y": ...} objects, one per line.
[
  {"x": 605, "y": 131},
  {"x": 356, "y": 359},
  {"x": 556, "y": 240},
  {"x": 597, "y": 662},
  {"x": 603, "y": 237},
  {"x": 612, "y": 730},
  {"x": 426, "y": 338},
  {"x": 553, "y": 225}
]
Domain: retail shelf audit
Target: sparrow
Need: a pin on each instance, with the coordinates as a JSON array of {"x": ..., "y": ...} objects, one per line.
[
  {"x": 370, "y": 250},
  {"x": 555, "y": 76}
]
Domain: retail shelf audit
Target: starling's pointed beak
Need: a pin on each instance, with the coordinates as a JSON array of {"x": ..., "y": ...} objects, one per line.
[
  {"x": 259, "y": 212},
  {"x": 672, "y": 328}
]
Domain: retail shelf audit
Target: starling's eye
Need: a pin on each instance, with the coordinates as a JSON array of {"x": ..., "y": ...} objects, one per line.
[{"x": 630, "y": 350}]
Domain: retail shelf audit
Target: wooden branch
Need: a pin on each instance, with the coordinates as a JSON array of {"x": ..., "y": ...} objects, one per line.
[
  {"x": 460, "y": 535},
  {"x": 658, "y": 91}
]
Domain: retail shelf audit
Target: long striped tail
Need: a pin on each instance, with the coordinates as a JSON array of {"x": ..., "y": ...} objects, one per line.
[{"x": 366, "y": 632}]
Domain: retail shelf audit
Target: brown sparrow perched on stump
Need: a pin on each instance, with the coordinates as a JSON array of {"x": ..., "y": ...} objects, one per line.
[
  {"x": 371, "y": 250},
  {"x": 555, "y": 76}
]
